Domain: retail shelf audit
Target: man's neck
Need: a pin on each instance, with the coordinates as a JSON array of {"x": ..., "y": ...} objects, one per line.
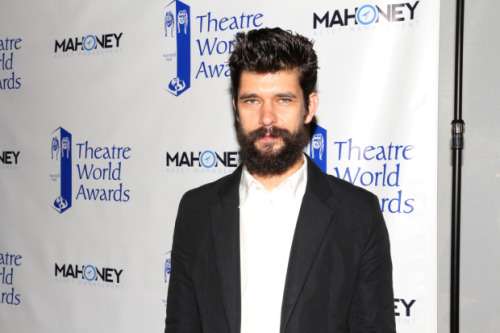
[{"x": 272, "y": 181}]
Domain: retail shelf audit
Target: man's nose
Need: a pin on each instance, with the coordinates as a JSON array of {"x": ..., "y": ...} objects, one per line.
[{"x": 268, "y": 114}]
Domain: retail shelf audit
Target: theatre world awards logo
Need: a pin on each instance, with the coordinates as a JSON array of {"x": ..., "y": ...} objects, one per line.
[
  {"x": 60, "y": 154},
  {"x": 177, "y": 24},
  {"x": 99, "y": 171}
]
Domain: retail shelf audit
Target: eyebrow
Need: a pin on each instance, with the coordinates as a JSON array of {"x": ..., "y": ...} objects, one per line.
[
  {"x": 280, "y": 95},
  {"x": 289, "y": 95},
  {"x": 246, "y": 96}
]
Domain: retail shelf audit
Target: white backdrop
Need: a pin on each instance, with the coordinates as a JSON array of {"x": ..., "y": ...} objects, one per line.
[{"x": 132, "y": 110}]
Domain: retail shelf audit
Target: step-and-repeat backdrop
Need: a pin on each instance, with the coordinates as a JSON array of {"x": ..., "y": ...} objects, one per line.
[{"x": 110, "y": 111}]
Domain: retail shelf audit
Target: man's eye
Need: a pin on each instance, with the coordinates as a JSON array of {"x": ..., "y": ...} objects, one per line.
[
  {"x": 251, "y": 101},
  {"x": 285, "y": 100}
]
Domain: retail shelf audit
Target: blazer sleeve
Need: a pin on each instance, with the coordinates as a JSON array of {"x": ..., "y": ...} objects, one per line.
[
  {"x": 373, "y": 305},
  {"x": 182, "y": 309}
]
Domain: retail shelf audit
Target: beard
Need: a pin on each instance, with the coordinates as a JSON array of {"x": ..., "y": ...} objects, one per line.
[{"x": 271, "y": 160}]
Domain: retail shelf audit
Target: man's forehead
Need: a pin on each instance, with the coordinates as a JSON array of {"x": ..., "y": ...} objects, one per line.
[{"x": 252, "y": 80}]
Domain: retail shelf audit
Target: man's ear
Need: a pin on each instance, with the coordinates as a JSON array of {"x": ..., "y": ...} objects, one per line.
[{"x": 313, "y": 106}]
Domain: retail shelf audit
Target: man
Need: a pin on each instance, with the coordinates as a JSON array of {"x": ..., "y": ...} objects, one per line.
[{"x": 278, "y": 246}]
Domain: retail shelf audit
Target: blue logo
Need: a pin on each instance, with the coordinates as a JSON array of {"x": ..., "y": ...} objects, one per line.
[
  {"x": 208, "y": 159},
  {"x": 167, "y": 270},
  {"x": 366, "y": 14},
  {"x": 60, "y": 152},
  {"x": 89, "y": 273},
  {"x": 317, "y": 146},
  {"x": 89, "y": 43},
  {"x": 178, "y": 34}
]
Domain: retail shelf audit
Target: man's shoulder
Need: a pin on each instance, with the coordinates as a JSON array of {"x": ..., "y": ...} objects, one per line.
[
  {"x": 347, "y": 187},
  {"x": 211, "y": 191},
  {"x": 335, "y": 183},
  {"x": 344, "y": 193},
  {"x": 356, "y": 207}
]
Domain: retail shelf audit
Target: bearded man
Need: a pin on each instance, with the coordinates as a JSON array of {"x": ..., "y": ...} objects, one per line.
[{"x": 278, "y": 246}]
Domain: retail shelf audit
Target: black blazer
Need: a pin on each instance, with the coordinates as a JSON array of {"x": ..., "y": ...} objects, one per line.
[{"x": 339, "y": 276}]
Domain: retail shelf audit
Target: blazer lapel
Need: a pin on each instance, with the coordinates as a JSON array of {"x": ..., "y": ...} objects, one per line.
[
  {"x": 224, "y": 217},
  {"x": 312, "y": 224}
]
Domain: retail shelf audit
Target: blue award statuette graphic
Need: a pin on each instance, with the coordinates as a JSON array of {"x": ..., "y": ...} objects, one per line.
[
  {"x": 167, "y": 270},
  {"x": 168, "y": 266},
  {"x": 177, "y": 22},
  {"x": 60, "y": 154},
  {"x": 317, "y": 146}
]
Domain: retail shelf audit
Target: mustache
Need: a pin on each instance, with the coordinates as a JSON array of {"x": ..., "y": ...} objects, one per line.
[{"x": 269, "y": 130}]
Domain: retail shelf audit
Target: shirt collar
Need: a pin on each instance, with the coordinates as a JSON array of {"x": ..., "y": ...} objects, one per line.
[{"x": 296, "y": 183}]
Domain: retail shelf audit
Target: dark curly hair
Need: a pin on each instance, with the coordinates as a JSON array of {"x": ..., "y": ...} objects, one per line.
[{"x": 269, "y": 50}]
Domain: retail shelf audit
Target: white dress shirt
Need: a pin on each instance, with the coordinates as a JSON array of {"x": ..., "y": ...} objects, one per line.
[{"x": 267, "y": 225}]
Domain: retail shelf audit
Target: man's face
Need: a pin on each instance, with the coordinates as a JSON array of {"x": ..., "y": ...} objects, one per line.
[{"x": 271, "y": 118}]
